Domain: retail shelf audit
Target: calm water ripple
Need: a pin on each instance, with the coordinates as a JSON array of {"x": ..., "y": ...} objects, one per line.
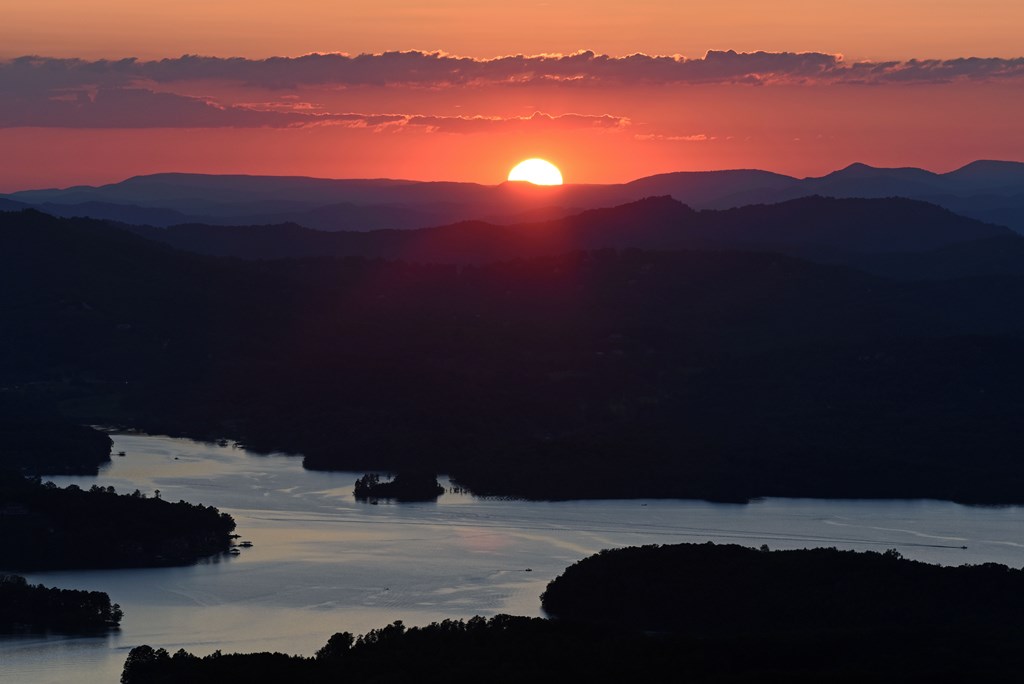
[{"x": 322, "y": 563}]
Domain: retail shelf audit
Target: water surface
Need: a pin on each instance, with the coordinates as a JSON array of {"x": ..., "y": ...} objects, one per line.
[{"x": 323, "y": 563}]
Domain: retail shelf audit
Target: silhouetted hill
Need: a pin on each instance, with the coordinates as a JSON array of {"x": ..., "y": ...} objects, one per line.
[
  {"x": 36, "y": 439},
  {"x": 582, "y": 373},
  {"x": 859, "y": 172},
  {"x": 705, "y": 188},
  {"x": 124, "y": 213},
  {"x": 353, "y": 217},
  {"x": 708, "y": 589},
  {"x": 994, "y": 256},
  {"x": 986, "y": 190},
  {"x": 1003, "y": 210},
  {"x": 988, "y": 175},
  {"x": 812, "y": 226},
  {"x": 864, "y": 182},
  {"x": 861, "y": 180},
  {"x": 211, "y": 191},
  {"x": 11, "y": 205},
  {"x": 723, "y": 614},
  {"x": 824, "y": 224}
]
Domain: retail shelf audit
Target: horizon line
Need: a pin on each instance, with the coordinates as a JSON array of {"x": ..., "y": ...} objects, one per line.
[{"x": 525, "y": 184}]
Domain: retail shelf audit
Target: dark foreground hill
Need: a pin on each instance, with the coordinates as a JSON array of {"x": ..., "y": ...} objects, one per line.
[
  {"x": 709, "y": 589},
  {"x": 689, "y": 613},
  {"x": 590, "y": 373},
  {"x": 37, "y": 440},
  {"x": 815, "y": 227}
]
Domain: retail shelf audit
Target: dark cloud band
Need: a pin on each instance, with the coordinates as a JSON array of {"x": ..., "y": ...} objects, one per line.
[
  {"x": 434, "y": 69},
  {"x": 131, "y": 93},
  {"x": 142, "y": 108}
]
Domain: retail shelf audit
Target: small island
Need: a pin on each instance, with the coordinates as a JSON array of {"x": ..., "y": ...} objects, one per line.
[
  {"x": 45, "y": 527},
  {"x": 405, "y": 486},
  {"x": 31, "y": 608}
]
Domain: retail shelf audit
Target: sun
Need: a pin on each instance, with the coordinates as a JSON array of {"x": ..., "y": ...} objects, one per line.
[{"x": 536, "y": 171}]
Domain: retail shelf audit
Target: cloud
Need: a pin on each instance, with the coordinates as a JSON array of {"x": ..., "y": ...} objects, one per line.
[
  {"x": 142, "y": 108},
  {"x": 936, "y": 70},
  {"x": 438, "y": 69},
  {"x": 537, "y": 121},
  {"x": 697, "y": 137},
  {"x": 130, "y": 108},
  {"x": 133, "y": 93}
]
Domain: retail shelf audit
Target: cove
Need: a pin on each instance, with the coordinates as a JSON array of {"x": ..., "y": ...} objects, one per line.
[{"x": 321, "y": 562}]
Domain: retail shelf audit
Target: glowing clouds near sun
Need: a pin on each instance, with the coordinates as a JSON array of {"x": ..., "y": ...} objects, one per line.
[{"x": 536, "y": 171}]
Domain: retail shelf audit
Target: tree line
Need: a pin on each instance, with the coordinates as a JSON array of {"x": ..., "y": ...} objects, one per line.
[
  {"x": 34, "y": 607},
  {"x": 47, "y": 527}
]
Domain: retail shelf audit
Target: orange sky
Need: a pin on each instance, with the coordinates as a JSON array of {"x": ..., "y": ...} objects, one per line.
[
  {"x": 861, "y": 94},
  {"x": 868, "y": 29}
]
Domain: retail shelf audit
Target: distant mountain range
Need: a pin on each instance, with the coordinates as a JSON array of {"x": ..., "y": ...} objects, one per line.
[
  {"x": 639, "y": 340},
  {"x": 990, "y": 191},
  {"x": 856, "y": 231},
  {"x": 552, "y": 366}
]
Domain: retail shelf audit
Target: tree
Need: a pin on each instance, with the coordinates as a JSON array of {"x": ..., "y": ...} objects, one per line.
[
  {"x": 141, "y": 661},
  {"x": 337, "y": 646}
]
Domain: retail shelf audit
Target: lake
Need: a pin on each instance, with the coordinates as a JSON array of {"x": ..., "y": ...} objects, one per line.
[{"x": 323, "y": 563}]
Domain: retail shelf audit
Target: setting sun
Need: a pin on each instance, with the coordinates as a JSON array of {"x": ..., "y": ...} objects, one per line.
[{"x": 536, "y": 171}]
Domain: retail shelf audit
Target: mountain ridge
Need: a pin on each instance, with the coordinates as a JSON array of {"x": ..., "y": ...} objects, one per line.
[
  {"x": 988, "y": 189},
  {"x": 721, "y": 374},
  {"x": 808, "y": 227}
]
